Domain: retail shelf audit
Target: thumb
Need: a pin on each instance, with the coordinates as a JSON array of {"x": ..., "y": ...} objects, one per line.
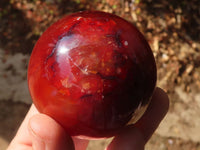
[{"x": 47, "y": 134}]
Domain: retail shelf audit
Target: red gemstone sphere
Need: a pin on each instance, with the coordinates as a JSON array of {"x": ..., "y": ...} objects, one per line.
[{"x": 93, "y": 72}]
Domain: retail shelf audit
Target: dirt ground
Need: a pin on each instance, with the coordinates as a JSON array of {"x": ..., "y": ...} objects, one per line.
[{"x": 172, "y": 29}]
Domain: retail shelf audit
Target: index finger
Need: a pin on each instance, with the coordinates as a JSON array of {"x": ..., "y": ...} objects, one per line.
[
  {"x": 155, "y": 113},
  {"x": 135, "y": 136}
]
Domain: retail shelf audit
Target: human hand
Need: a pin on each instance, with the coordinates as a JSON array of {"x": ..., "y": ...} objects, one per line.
[{"x": 40, "y": 132}]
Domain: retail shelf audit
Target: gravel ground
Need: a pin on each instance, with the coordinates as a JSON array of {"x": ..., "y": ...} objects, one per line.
[{"x": 172, "y": 29}]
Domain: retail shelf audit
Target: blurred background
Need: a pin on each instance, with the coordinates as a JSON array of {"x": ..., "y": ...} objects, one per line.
[{"x": 172, "y": 29}]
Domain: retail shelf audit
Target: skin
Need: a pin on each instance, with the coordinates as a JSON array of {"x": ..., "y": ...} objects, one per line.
[{"x": 40, "y": 132}]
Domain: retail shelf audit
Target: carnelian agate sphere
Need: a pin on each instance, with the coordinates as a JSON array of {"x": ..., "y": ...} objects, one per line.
[{"x": 93, "y": 72}]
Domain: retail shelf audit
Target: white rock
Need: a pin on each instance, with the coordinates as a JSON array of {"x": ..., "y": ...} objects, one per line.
[{"x": 13, "y": 77}]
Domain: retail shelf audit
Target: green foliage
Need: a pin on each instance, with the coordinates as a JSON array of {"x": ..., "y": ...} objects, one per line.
[{"x": 78, "y": 1}]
